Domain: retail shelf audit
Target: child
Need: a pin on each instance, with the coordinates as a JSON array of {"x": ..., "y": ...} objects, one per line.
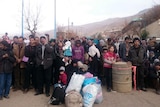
[
  {"x": 67, "y": 49},
  {"x": 109, "y": 57},
  {"x": 62, "y": 77}
]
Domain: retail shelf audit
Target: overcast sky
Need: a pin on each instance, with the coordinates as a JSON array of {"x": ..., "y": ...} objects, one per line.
[{"x": 78, "y": 11}]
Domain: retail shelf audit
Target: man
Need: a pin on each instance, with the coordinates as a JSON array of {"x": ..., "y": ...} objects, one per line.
[
  {"x": 6, "y": 66},
  {"x": 124, "y": 49},
  {"x": 30, "y": 71},
  {"x": 44, "y": 60},
  {"x": 137, "y": 56},
  {"x": 52, "y": 43},
  {"x": 18, "y": 50}
]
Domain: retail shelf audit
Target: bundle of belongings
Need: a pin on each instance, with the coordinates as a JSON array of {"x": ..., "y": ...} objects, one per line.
[{"x": 83, "y": 90}]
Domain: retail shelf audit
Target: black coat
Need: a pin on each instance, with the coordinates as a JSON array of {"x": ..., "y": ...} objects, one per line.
[
  {"x": 6, "y": 64},
  {"x": 137, "y": 57},
  {"x": 48, "y": 56},
  {"x": 30, "y": 52}
]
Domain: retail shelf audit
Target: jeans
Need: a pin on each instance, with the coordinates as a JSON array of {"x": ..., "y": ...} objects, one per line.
[{"x": 5, "y": 83}]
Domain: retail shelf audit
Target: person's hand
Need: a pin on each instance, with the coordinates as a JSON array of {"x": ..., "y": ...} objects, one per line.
[
  {"x": 6, "y": 55},
  {"x": 90, "y": 59}
]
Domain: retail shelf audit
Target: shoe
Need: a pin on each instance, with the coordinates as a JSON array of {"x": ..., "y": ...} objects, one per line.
[
  {"x": 38, "y": 93},
  {"x": 6, "y": 96},
  {"x": 1, "y": 98},
  {"x": 143, "y": 89},
  {"x": 15, "y": 89},
  {"x": 47, "y": 95}
]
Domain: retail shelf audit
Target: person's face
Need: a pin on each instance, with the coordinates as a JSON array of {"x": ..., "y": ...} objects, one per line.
[
  {"x": 53, "y": 43},
  {"x": 90, "y": 43},
  {"x": 74, "y": 64},
  {"x": 15, "y": 40},
  {"x": 136, "y": 43},
  {"x": 1, "y": 46},
  {"x": 20, "y": 40},
  {"x": 157, "y": 67},
  {"x": 104, "y": 51},
  {"x": 77, "y": 44},
  {"x": 127, "y": 40},
  {"x": 43, "y": 40},
  {"x": 111, "y": 49},
  {"x": 32, "y": 41},
  {"x": 151, "y": 54}
]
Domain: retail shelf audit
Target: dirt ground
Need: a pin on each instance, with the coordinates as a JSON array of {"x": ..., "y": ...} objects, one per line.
[{"x": 112, "y": 99}]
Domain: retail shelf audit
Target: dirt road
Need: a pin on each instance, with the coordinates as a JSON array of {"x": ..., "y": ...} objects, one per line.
[{"x": 112, "y": 99}]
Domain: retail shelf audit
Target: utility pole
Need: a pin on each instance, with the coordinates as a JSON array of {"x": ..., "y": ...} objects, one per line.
[
  {"x": 68, "y": 26},
  {"x": 22, "y": 18},
  {"x": 55, "y": 27}
]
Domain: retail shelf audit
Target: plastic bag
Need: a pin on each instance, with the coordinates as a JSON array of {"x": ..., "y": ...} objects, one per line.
[
  {"x": 89, "y": 81},
  {"x": 99, "y": 97},
  {"x": 88, "y": 75},
  {"x": 89, "y": 95},
  {"x": 75, "y": 83}
]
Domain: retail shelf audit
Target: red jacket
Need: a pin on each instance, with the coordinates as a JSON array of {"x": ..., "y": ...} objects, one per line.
[
  {"x": 63, "y": 78},
  {"x": 109, "y": 58}
]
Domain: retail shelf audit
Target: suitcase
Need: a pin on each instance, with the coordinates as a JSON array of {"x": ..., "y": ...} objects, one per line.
[{"x": 58, "y": 96}]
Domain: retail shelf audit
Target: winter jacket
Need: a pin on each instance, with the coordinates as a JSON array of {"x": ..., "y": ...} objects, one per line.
[
  {"x": 123, "y": 52},
  {"x": 30, "y": 52},
  {"x": 63, "y": 78},
  {"x": 48, "y": 57},
  {"x": 19, "y": 54},
  {"x": 6, "y": 64},
  {"x": 78, "y": 53},
  {"x": 109, "y": 58},
  {"x": 137, "y": 56},
  {"x": 67, "y": 49}
]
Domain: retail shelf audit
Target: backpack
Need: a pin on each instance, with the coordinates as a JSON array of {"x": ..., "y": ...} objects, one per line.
[
  {"x": 73, "y": 99},
  {"x": 58, "y": 96}
]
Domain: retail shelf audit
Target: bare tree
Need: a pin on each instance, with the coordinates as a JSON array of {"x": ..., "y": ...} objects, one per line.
[{"x": 32, "y": 18}]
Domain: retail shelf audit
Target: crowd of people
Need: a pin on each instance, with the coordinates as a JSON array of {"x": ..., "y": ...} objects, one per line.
[{"x": 43, "y": 62}]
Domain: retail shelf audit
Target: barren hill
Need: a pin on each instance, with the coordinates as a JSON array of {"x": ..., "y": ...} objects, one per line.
[{"x": 105, "y": 25}]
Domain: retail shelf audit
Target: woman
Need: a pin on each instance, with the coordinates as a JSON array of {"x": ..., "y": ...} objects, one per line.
[{"x": 7, "y": 60}]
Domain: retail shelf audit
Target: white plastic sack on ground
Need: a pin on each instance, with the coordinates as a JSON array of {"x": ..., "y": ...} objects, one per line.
[
  {"x": 89, "y": 95},
  {"x": 75, "y": 83},
  {"x": 99, "y": 97}
]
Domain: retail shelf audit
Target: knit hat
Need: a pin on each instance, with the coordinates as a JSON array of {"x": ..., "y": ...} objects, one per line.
[{"x": 62, "y": 68}]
